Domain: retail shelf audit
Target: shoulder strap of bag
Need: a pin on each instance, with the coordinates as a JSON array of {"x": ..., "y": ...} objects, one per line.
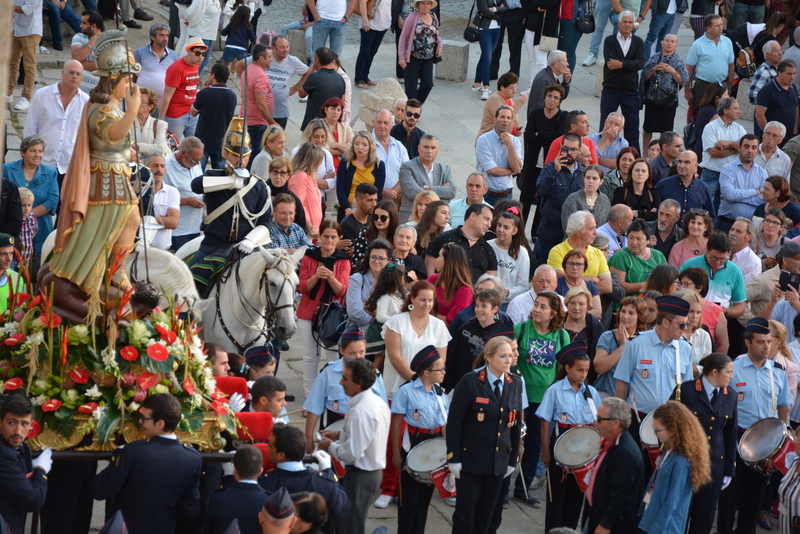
[
  {"x": 471, "y": 11},
  {"x": 225, "y": 206},
  {"x": 155, "y": 125}
]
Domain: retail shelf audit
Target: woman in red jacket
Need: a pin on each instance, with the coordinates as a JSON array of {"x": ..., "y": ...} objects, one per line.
[{"x": 324, "y": 273}]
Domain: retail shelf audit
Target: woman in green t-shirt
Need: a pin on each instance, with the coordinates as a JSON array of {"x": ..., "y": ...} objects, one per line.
[
  {"x": 539, "y": 339},
  {"x": 634, "y": 263}
]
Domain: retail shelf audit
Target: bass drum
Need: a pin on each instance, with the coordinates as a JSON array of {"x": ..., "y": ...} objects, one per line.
[
  {"x": 649, "y": 439},
  {"x": 764, "y": 445},
  {"x": 575, "y": 450}
]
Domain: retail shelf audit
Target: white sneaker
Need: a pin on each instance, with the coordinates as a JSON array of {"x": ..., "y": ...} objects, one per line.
[
  {"x": 477, "y": 89},
  {"x": 590, "y": 60},
  {"x": 22, "y": 105},
  {"x": 485, "y": 94},
  {"x": 43, "y": 50},
  {"x": 383, "y": 501},
  {"x": 451, "y": 501},
  {"x": 304, "y": 99}
]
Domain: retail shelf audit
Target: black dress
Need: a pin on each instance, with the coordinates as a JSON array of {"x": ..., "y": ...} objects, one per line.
[
  {"x": 540, "y": 132},
  {"x": 644, "y": 203}
]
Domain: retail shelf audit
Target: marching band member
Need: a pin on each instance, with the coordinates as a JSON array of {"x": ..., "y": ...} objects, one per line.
[
  {"x": 762, "y": 392},
  {"x": 423, "y": 406},
  {"x": 713, "y": 402},
  {"x": 653, "y": 364},
  {"x": 568, "y": 403},
  {"x": 483, "y": 436},
  {"x": 681, "y": 469},
  {"x": 327, "y": 401}
]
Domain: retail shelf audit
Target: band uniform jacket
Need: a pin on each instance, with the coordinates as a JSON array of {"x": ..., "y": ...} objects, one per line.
[
  {"x": 240, "y": 500},
  {"x": 18, "y": 493},
  {"x": 618, "y": 490},
  {"x": 719, "y": 422},
  {"x": 483, "y": 435},
  {"x": 152, "y": 481}
]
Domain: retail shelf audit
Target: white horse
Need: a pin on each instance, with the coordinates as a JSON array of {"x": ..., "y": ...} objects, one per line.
[
  {"x": 254, "y": 302},
  {"x": 170, "y": 276}
]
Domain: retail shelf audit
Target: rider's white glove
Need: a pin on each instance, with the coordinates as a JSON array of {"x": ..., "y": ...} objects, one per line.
[
  {"x": 236, "y": 402},
  {"x": 246, "y": 246}
]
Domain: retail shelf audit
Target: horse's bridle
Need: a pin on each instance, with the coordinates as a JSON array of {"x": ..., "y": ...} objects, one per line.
[{"x": 270, "y": 313}]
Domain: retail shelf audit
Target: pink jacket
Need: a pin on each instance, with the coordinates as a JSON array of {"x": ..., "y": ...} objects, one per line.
[{"x": 407, "y": 37}]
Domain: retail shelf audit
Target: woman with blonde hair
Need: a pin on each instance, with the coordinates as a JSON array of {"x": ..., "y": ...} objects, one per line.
[
  {"x": 152, "y": 133},
  {"x": 305, "y": 163},
  {"x": 318, "y": 133},
  {"x": 359, "y": 164},
  {"x": 683, "y": 468},
  {"x": 421, "y": 202},
  {"x": 273, "y": 145},
  {"x": 631, "y": 319},
  {"x": 580, "y": 324}
]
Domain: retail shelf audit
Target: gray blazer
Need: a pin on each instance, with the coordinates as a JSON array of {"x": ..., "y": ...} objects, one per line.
[{"x": 413, "y": 176}]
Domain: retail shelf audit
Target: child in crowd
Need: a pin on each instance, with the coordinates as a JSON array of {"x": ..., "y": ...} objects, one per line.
[
  {"x": 240, "y": 36},
  {"x": 384, "y": 302},
  {"x": 30, "y": 226}
]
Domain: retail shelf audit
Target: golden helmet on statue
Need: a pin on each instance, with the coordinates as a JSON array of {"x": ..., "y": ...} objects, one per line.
[{"x": 112, "y": 55}]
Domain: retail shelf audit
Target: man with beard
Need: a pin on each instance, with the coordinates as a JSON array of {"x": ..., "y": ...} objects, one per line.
[
  {"x": 163, "y": 203},
  {"x": 665, "y": 231},
  {"x": 685, "y": 187},
  {"x": 407, "y": 132},
  {"x": 740, "y": 184}
]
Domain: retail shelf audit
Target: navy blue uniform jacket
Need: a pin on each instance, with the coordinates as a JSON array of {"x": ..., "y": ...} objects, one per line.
[
  {"x": 238, "y": 500},
  {"x": 18, "y": 493}
]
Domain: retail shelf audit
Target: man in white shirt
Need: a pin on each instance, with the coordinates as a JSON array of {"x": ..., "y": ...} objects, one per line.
[
  {"x": 330, "y": 17},
  {"x": 390, "y": 151},
  {"x": 182, "y": 168},
  {"x": 55, "y": 114},
  {"x": 166, "y": 203},
  {"x": 26, "y": 34},
  {"x": 544, "y": 279},
  {"x": 741, "y": 233},
  {"x": 280, "y": 71},
  {"x": 619, "y": 218},
  {"x": 476, "y": 188},
  {"x": 154, "y": 59},
  {"x": 499, "y": 155},
  {"x": 720, "y": 145},
  {"x": 771, "y": 158},
  {"x": 361, "y": 445}
]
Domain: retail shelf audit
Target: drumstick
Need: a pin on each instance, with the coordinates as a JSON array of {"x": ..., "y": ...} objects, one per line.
[
  {"x": 549, "y": 488},
  {"x": 293, "y": 412}
]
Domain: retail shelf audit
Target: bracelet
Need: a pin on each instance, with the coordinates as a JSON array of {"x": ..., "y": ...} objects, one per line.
[{"x": 345, "y": 19}]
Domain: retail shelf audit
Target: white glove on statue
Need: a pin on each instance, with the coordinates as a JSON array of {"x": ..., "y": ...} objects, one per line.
[
  {"x": 726, "y": 482},
  {"x": 455, "y": 469},
  {"x": 227, "y": 468},
  {"x": 509, "y": 470},
  {"x": 45, "y": 460},
  {"x": 236, "y": 402},
  {"x": 246, "y": 246},
  {"x": 323, "y": 459}
]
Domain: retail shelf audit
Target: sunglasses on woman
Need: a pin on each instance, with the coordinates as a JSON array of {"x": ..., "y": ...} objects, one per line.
[{"x": 381, "y": 218}]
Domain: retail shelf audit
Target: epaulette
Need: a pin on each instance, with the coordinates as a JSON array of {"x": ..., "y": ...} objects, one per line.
[
  {"x": 438, "y": 389},
  {"x": 778, "y": 366}
]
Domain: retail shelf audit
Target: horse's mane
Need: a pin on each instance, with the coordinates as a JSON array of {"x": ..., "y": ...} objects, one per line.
[{"x": 284, "y": 265}]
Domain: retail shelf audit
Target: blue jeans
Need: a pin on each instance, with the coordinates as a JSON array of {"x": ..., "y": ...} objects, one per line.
[
  {"x": 55, "y": 16},
  {"x": 256, "y": 133},
  {"x": 743, "y": 13},
  {"x": 541, "y": 249},
  {"x": 660, "y": 26},
  {"x": 628, "y": 104},
  {"x": 216, "y": 157},
  {"x": 335, "y": 28},
  {"x": 568, "y": 40},
  {"x": 181, "y": 127},
  {"x": 89, "y": 4},
  {"x": 491, "y": 199},
  {"x": 711, "y": 179},
  {"x": 230, "y": 53},
  {"x": 488, "y": 40},
  {"x": 309, "y": 35},
  {"x": 370, "y": 42},
  {"x": 533, "y": 448},
  {"x": 602, "y": 11},
  {"x": 208, "y": 43},
  {"x": 422, "y": 70}
]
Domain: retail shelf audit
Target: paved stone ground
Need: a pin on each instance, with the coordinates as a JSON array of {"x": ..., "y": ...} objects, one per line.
[{"x": 453, "y": 113}]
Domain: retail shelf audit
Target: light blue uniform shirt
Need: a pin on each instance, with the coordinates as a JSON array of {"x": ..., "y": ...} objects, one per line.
[
  {"x": 737, "y": 187},
  {"x": 648, "y": 366},
  {"x": 562, "y": 404},
  {"x": 420, "y": 407},
  {"x": 753, "y": 388},
  {"x": 328, "y": 393}
]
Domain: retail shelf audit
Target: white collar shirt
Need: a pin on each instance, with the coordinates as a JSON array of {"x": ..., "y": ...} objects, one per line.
[{"x": 362, "y": 442}]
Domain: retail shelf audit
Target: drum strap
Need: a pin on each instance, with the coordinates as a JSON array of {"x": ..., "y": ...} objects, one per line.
[
  {"x": 678, "y": 369},
  {"x": 772, "y": 391},
  {"x": 635, "y": 409},
  {"x": 441, "y": 407},
  {"x": 406, "y": 440}
]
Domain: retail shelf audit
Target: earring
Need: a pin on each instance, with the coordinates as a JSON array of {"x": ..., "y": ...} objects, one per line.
[{"x": 410, "y": 307}]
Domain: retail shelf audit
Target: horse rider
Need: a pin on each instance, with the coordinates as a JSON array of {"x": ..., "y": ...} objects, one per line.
[{"x": 238, "y": 206}]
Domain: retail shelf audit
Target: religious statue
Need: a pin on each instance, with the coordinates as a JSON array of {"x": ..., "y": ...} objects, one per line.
[{"x": 99, "y": 214}]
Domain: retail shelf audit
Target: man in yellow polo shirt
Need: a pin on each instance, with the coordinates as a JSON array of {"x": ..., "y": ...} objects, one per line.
[
  {"x": 581, "y": 229},
  {"x": 8, "y": 277}
]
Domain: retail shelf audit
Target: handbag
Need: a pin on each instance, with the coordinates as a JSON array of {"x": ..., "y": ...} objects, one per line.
[
  {"x": 471, "y": 33},
  {"x": 329, "y": 323},
  {"x": 547, "y": 43},
  {"x": 745, "y": 65},
  {"x": 357, "y": 8},
  {"x": 584, "y": 22},
  {"x": 664, "y": 98}
]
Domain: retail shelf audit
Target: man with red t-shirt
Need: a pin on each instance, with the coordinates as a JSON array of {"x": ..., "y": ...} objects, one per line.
[
  {"x": 180, "y": 90},
  {"x": 260, "y": 102}
]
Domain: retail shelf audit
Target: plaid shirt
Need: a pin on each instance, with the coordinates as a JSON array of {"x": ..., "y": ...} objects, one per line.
[
  {"x": 764, "y": 73},
  {"x": 29, "y": 228},
  {"x": 295, "y": 239}
]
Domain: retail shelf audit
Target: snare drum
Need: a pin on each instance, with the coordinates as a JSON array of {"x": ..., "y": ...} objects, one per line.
[
  {"x": 338, "y": 426},
  {"x": 426, "y": 458},
  {"x": 649, "y": 439},
  {"x": 764, "y": 445},
  {"x": 575, "y": 449}
]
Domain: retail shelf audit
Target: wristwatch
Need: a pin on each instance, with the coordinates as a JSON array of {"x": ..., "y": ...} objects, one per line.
[{"x": 345, "y": 19}]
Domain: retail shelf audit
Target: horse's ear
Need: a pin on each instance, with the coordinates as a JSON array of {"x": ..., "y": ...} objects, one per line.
[
  {"x": 268, "y": 257},
  {"x": 297, "y": 257}
]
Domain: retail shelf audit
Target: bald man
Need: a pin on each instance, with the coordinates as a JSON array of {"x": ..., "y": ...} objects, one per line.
[
  {"x": 685, "y": 187},
  {"x": 54, "y": 116}
]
